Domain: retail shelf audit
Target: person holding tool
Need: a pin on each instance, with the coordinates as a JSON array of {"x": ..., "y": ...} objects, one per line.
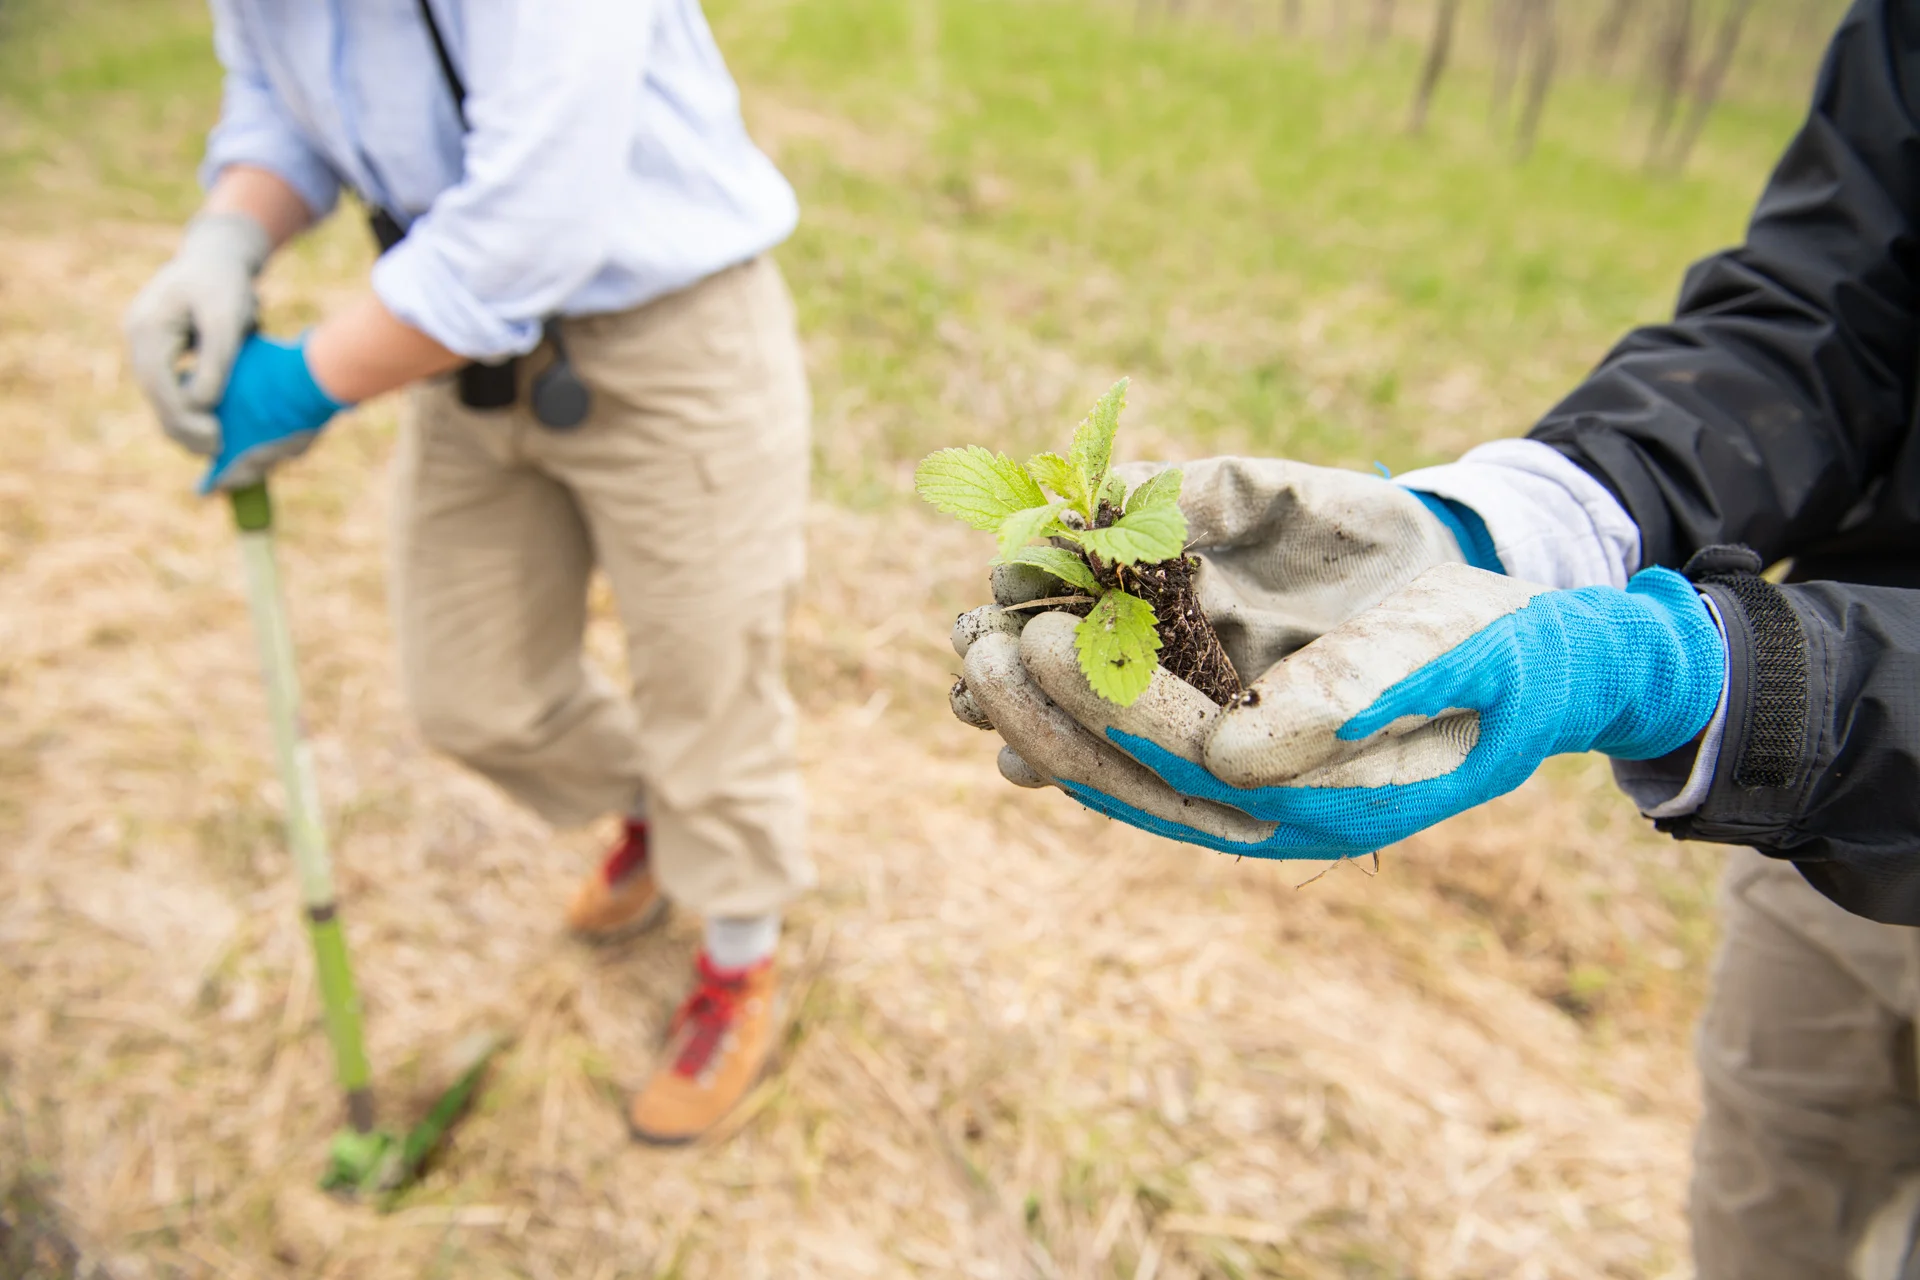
[
  {"x": 606, "y": 374},
  {"x": 1413, "y": 649}
]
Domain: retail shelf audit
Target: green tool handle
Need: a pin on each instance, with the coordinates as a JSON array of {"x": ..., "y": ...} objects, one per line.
[{"x": 306, "y": 834}]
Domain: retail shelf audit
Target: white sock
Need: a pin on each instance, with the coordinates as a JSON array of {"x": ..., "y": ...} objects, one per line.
[{"x": 741, "y": 942}]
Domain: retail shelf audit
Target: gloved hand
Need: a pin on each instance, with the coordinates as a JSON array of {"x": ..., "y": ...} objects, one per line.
[
  {"x": 271, "y": 412},
  {"x": 1287, "y": 551},
  {"x": 203, "y": 299},
  {"x": 1448, "y": 693}
]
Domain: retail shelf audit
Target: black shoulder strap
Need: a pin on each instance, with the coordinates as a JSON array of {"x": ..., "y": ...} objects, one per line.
[
  {"x": 454, "y": 84},
  {"x": 387, "y": 231}
]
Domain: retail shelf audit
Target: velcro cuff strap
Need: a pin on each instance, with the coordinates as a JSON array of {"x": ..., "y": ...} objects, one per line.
[{"x": 1773, "y": 713}]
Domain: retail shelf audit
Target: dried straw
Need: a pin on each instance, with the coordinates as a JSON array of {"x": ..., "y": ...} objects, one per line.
[{"x": 1027, "y": 1042}]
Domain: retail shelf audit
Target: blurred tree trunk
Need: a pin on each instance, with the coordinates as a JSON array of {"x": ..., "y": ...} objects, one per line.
[
  {"x": 1712, "y": 80},
  {"x": 1510, "y": 38},
  {"x": 1543, "y": 24},
  {"x": 1670, "y": 74},
  {"x": 1613, "y": 30},
  {"x": 1382, "y": 21},
  {"x": 1290, "y": 16},
  {"x": 1439, "y": 45}
]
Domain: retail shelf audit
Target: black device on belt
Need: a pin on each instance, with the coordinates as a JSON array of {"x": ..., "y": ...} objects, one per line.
[{"x": 558, "y": 398}]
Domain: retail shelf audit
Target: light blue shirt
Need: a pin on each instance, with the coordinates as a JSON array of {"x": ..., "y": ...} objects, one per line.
[{"x": 605, "y": 162}]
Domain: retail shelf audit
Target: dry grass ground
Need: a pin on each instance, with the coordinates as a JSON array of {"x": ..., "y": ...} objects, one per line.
[{"x": 1028, "y": 1043}]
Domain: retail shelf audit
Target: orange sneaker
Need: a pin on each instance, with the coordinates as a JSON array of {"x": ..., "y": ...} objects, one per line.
[
  {"x": 720, "y": 1042},
  {"x": 620, "y": 896}
]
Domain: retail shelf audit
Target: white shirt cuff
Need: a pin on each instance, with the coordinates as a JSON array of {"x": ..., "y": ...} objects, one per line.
[{"x": 1550, "y": 521}]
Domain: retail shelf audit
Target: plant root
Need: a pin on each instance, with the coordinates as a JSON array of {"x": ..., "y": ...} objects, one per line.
[{"x": 1189, "y": 648}]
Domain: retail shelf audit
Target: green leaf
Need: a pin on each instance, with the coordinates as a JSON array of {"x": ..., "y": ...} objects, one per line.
[
  {"x": 1092, "y": 449},
  {"x": 1118, "y": 647},
  {"x": 1145, "y": 536},
  {"x": 979, "y": 487},
  {"x": 1162, "y": 490},
  {"x": 1115, "y": 493},
  {"x": 1062, "y": 564},
  {"x": 1022, "y": 527},
  {"x": 1057, "y": 474}
]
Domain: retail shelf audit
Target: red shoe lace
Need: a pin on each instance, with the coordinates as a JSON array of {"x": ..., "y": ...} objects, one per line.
[
  {"x": 709, "y": 1010},
  {"x": 629, "y": 855}
]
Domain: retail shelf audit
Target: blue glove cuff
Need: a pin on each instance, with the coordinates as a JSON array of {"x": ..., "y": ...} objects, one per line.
[
  {"x": 1467, "y": 528},
  {"x": 272, "y": 410},
  {"x": 1682, "y": 661}
]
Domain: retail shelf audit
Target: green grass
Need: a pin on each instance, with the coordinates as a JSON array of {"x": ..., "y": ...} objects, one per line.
[
  {"x": 1014, "y": 202},
  {"x": 104, "y": 104},
  {"x": 1244, "y": 228}
]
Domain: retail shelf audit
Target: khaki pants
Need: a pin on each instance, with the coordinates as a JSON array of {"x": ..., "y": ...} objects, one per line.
[
  {"x": 687, "y": 487},
  {"x": 1807, "y": 1163}
]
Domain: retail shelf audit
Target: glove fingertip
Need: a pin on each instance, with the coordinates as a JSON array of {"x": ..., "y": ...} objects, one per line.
[
  {"x": 986, "y": 620},
  {"x": 1015, "y": 769},
  {"x": 966, "y": 708},
  {"x": 1019, "y": 583}
]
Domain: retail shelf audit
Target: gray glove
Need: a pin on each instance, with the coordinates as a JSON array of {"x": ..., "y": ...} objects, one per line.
[
  {"x": 1287, "y": 553},
  {"x": 201, "y": 300}
]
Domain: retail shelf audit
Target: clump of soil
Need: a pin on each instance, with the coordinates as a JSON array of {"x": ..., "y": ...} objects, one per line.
[{"x": 1189, "y": 647}]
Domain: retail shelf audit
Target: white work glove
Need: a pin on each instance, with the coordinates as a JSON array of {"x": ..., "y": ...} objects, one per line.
[
  {"x": 1287, "y": 552},
  {"x": 201, "y": 300}
]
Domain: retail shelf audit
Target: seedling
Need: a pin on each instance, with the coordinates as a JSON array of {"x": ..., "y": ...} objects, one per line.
[{"x": 1120, "y": 555}]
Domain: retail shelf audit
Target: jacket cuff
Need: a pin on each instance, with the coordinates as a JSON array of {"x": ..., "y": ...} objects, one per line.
[{"x": 1760, "y": 779}]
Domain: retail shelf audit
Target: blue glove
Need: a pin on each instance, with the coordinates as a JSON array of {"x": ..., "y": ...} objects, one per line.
[
  {"x": 271, "y": 411},
  {"x": 1441, "y": 697}
]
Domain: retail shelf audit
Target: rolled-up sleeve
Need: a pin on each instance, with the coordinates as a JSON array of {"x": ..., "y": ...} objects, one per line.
[
  {"x": 546, "y": 167},
  {"x": 254, "y": 127}
]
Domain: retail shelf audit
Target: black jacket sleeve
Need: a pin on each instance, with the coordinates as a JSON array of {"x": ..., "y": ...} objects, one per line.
[
  {"x": 1777, "y": 411},
  {"x": 1784, "y": 386},
  {"x": 1820, "y": 761}
]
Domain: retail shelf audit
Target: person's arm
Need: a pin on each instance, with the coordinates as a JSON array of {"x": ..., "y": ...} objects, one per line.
[
  {"x": 1785, "y": 383},
  {"x": 265, "y": 183},
  {"x": 550, "y": 106},
  {"x": 259, "y": 162},
  {"x": 552, "y": 95},
  {"x": 262, "y": 195},
  {"x": 1820, "y": 758},
  {"x": 363, "y": 350},
  {"x": 1764, "y": 414}
]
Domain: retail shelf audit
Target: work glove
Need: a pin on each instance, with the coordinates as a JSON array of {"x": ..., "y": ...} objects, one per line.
[
  {"x": 202, "y": 300},
  {"x": 272, "y": 411},
  {"x": 1286, "y": 552},
  {"x": 1448, "y": 693}
]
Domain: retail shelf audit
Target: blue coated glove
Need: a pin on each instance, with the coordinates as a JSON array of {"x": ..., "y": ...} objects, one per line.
[
  {"x": 1446, "y": 694},
  {"x": 272, "y": 410}
]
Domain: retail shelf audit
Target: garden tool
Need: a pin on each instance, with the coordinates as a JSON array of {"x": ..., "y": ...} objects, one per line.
[{"x": 364, "y": 1160}]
